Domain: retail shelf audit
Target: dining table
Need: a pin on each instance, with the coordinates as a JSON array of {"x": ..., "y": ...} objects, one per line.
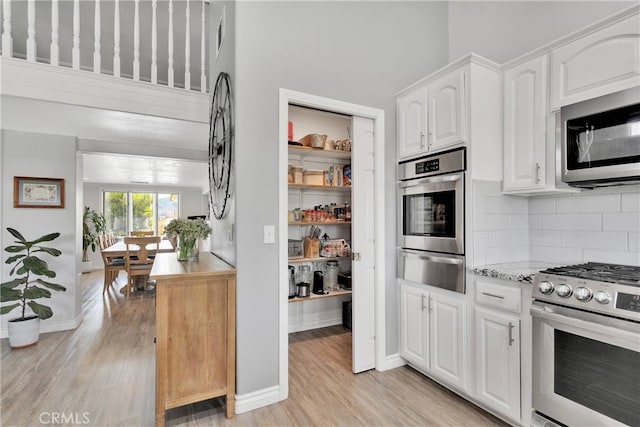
[{"x": 119, "y": 249}]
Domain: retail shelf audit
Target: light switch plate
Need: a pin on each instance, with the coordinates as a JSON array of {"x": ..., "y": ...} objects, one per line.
[{"x": 269, "y": 233}]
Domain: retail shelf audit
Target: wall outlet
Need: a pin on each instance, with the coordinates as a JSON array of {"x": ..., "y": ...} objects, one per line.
[{"x": 269, "y": 233}]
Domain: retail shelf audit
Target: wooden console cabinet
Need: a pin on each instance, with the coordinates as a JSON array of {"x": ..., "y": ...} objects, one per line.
[{"x": 195, "y": 332}]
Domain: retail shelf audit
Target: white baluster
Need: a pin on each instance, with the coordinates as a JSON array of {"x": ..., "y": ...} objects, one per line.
[
  {"x": 154, "y": 43},
  {"x": 96, "y": 39},
  {"x": 75, "y": 51},
  {"x": 31, "y": 30},
  {"x": 7, "y": 39},
  {"x": 203, "y": 51},
  {"x": 116, "y": 39},
  {"x": 55, "y": 49},
  {"x": 187, "y": 48},
  {"x": 170, "y": 76},
  {"x": 136, "y": 41}
]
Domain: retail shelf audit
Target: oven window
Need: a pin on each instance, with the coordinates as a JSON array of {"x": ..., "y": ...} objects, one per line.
[
  {"x": 597, "y": 375},
  {"x": 430, "y": 214},
  {"x": 604, "y": 139}
]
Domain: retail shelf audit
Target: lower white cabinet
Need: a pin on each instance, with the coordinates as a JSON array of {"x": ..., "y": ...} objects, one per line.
[
  {"x": 432, "y": 338},
  {"x": 497, "y": 338}
]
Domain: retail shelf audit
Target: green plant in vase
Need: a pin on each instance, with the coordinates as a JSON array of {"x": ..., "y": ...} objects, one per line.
[{"x": 188, "y": 233}]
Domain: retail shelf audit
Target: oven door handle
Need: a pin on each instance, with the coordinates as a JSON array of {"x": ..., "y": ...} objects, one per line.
[
  {"x": 588, "y": 321},
  {"x": 453, "y": 177}
]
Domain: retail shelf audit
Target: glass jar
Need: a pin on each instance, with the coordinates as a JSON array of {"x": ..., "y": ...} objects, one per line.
[{"x": 331, "y": 276}]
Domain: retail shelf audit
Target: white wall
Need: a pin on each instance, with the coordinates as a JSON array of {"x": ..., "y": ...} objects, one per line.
[
  {"x": 503, "y": 30},
  {"x": 50, "y": 156},
  {"x": 359, "y": 52}
]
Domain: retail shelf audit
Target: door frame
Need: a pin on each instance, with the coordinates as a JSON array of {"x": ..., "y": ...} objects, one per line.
[{"x": 306, "y": 100}]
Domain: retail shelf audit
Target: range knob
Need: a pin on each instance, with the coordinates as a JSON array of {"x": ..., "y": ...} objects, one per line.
[
  {"x": 602, "y": 297},
  {"x": 583, "y": 294},
  {"x": 563, "y": 290},
  {"x": 545, "y": 287}
]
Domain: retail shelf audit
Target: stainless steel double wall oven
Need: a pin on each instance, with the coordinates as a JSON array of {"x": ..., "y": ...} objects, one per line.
[{"x": 431, "y": 224}]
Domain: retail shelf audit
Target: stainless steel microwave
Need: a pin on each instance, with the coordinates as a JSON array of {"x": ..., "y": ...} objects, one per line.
[{"x": 600, "y": 140}]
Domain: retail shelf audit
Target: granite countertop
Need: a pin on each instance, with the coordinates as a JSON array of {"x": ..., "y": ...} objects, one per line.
[{"x": 522, "y": 271}]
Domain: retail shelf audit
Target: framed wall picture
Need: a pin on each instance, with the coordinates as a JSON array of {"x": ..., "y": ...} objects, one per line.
[{"x": 31, "y": 192}]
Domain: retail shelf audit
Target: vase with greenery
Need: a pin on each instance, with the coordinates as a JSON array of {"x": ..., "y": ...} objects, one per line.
[
  {"x": 28, "y": 285},
  {"x": 188, "y": 233},
  {"x": 93, "y": 224}
]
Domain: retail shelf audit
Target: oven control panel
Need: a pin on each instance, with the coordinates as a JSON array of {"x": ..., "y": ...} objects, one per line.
[
  {"x": 427, "y": 166},
  {"x": 629, "y": 302}
]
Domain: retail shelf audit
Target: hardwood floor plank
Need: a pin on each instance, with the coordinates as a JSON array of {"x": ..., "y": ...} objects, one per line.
[{"x": 105, "y": 370}]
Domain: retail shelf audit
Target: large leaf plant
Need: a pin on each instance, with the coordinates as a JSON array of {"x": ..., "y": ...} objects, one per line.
[
  {"x": 93, "y": 224},
  {"x": 28, "y": 287}
]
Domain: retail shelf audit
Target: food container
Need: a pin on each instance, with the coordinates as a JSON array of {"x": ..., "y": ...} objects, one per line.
[
  {"x": 298, "y": 174},
  {"x": 313, "y": 177},
  {"x": 344, "y": 279},
  {"x": 331, "y": 276},
  {"x": 315, "y": 140},
  {"x": 295, "y": 249},
  {"x": 303, "y": 289}
]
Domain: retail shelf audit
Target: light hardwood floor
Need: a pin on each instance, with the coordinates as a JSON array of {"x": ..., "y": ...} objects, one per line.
[{"x": 103, "y": 374}]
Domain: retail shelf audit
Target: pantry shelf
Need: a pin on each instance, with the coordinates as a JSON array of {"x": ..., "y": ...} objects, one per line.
[
  {"x": 331, "y": 294},
  {"x": 319, "y": 187},
  {"x": 302, "y": 260},
  {"x": 318, "y": 152},
  {"x": 320, "y": 223}
]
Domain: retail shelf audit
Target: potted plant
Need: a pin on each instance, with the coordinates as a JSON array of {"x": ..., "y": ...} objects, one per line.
[
  {"x": 188, "y": 232},
  {"x": 93, "y": 224},
  {"x": 28, "y": 286}
]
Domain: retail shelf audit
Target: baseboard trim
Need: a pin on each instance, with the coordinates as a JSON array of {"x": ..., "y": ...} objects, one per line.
[
  {"x": 46, "y": 326},
  {"x": 257, "y": 399},
  {"x": 391, "y": 362}
]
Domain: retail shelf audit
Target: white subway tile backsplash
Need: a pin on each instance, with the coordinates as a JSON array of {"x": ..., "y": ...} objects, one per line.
[
  {"x": 584, "y": 222},
  {"x": 630, "y": 202},
  {"x": 492, "y": 222},
  {"x": 535, "y": 222},
  {"x": 634, "y": 242},
  {"x": 614, "y": 257},
  {"x": 555, "y": 255},
  {"x": 542, "y": 205},
  {"x": 546, "y": 238},
  {"x": 508, "y": 238},
  {"x": 588, "y": 203},
  {"x": 603, "y": 240},
  {"x": 519, "y": 222},
  {"x": 621, "y": 221}
]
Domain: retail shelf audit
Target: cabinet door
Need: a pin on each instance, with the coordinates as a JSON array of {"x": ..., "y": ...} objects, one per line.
[
  {"x": 414, "y": 325},
  {"x": 498, "y": 361},
  {"x": 524, "y": 125},
  {"x": 599, "y": 63},
  {"x": 446, "y": 111},
  {"x": 447, "y": 332},
  {"x": 412, "y": 123}
]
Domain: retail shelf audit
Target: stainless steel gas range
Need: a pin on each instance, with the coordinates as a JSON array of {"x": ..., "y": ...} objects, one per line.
[{"x": 586, "y": 345}]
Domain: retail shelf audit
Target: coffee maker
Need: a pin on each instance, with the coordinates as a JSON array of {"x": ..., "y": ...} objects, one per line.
[
  {"x": 318, "y": 282},
  {"x": 292, "y": 282}
]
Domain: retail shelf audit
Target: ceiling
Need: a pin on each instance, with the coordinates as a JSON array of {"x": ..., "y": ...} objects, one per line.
[{"x": 140, "y": 170}]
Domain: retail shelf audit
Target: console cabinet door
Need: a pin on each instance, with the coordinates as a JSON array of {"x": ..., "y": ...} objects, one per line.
[
  {"x": 498, "y": 361},
  {"x": 525, "y": 125},
  {"x": 447, "y": 119},
  {"x": 412, "y": 124},
  {"x": 414, "y": 325},
  {"x": 447, "y": 332}
]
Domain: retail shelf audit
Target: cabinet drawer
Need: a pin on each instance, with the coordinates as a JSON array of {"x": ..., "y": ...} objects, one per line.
[{"x": 499, "y": 296}]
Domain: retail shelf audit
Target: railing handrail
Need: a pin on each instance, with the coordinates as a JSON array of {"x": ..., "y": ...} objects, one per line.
[{"x": 103, "y": 20}]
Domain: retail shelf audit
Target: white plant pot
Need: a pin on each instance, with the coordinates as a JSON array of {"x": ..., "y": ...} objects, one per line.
[
  {"x": 87, "y": 266},
  {"x": 23, "y": 333}
]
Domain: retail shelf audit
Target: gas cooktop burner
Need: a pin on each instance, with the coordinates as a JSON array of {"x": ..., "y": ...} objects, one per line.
[{"x": 611, "y": 273}]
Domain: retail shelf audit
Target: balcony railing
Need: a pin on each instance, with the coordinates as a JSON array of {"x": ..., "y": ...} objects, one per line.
[{"x": 163, "y": 42}]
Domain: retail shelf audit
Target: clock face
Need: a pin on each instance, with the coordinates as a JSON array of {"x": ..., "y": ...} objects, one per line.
[{"x": 220, "y": 145}]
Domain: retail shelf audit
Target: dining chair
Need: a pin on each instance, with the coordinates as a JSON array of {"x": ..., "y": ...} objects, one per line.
[
  {"x": 139, "y": 258},
  {"x": 141, "y": 233},
  {"x": 112, "y": 265}
]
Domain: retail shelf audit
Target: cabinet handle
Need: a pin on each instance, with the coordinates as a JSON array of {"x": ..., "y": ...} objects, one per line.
[
  {"x": 537, "y": 173},
  {"x": 493, "y": 295},
  {"x": 421, "y": 139},
  {"x": 511, "y": 334},
  {"x": 430, "y": 139},
  {"x": 423, "y": 307},
  {"x": 429, "y": 308}
]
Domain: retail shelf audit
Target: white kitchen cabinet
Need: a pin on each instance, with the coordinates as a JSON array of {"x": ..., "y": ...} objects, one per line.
[
  {"x": 598, "y": 62},
  {"x": 525, "y": 113},
  {"x": 447, "y": 118},
  {"x": 432, "y": 336},
  {"x": 498, "y": 360},
  {"x": 412, "y": 123}
]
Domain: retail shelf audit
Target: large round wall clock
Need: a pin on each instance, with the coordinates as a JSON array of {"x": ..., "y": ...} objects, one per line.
[{"x": 220, "y": 145}]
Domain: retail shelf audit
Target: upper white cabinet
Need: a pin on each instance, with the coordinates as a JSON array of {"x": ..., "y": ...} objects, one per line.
[
  {"x": 447, "y": 117},
  {"x": 598, "y": 63},
  {"x": 524, "y": 121},
  {"x": 412, "y": 123}
]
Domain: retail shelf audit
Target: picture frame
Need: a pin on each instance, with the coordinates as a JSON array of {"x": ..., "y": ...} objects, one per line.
[{"x": 32, "y": 192}]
